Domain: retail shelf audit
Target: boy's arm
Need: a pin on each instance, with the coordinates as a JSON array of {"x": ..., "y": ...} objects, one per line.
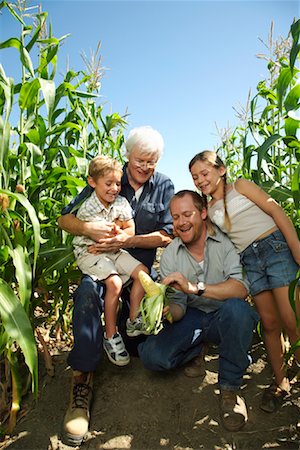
[
  {"x": 126, "y": 225},
  {"x": 94, "y": 230}
]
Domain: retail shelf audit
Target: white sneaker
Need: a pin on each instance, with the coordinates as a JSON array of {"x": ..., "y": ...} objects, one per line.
[
  {"x": 135, "y": 327},
  {"x": 115, "y": 350}
]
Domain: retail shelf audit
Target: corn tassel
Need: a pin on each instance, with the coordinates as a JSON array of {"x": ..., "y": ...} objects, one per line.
[{"x": 153, "y": 303}]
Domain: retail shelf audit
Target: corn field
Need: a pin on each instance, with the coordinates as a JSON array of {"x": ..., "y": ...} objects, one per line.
[{"x": 49, "y": 131}]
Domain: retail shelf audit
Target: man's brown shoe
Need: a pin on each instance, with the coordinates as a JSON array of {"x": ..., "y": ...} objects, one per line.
[
  {"x": 233, "y": 410},
  {"x": 196, "y": 367},
  {"x": 76, "y": 422}
]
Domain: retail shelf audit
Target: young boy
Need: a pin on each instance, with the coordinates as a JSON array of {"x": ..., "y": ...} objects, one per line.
[{"x": 112, "y": 269}]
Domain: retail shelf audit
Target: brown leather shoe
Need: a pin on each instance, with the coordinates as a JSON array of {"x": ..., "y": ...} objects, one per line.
[
  {"x": 196, "y": 367},
  {"x": 233, "y": 410}
]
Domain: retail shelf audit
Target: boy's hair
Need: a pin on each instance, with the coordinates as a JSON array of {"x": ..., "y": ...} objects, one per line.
[
  {"x": 213, "y": 159},
  {"x": 147, "y": 140},
  {"x": 199, "y": 202},
  {"x": 102, "y": 164}
]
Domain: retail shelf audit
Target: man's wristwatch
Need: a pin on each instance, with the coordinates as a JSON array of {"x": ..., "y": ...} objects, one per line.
[{"x": 201, "y": 288}]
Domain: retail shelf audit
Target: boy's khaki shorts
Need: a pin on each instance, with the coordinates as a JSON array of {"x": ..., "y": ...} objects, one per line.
[{"x": 99, "y": 267}]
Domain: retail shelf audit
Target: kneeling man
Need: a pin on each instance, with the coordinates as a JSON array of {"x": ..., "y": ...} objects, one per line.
[{"x": 208, "y": 304}]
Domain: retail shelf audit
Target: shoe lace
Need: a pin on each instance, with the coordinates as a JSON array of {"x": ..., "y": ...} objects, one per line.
[{"x": 81, "y": 396}]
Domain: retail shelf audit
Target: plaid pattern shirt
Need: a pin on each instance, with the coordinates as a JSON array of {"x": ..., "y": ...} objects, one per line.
[{"x": 92, "y": 210}]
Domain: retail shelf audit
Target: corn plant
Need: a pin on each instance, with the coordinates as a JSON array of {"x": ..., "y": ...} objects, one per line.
[
  {"x": 44, "y": 155},
  {"x": 265, "y": 147}
]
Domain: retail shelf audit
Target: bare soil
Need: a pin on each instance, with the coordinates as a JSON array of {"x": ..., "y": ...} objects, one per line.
[{"x": 137, "y": 409}]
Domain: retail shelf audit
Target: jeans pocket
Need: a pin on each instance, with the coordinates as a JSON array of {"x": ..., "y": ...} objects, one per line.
[{"x": 278, "y": 245}]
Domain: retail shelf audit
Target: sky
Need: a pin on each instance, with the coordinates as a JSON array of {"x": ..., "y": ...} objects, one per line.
[{"x": 179, "y": 66}]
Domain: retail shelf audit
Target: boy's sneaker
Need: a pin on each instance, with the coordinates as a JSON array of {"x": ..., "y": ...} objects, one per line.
[
  {"x": 115, "y": 350},
  {"x": 136, "y": 327},
  {"x": 76, "y": 421}
]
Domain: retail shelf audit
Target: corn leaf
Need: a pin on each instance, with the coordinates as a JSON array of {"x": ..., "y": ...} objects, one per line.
[
  {"x": 18, "y": 328},
  {"x": 34, "y": 220},
  {"x": 22, "y": 265}
]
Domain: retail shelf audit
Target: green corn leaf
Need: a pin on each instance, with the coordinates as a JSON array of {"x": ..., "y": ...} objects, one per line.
[
  {"x": 293, "y": 98},
  {"x": 262, "y": 150},
  {"x": 26, "y": 60},
  {"x": 283, "y": 83},
  {"x": 59, "y": 258},
  {"x": 28, "y": 94},
  {"x": 296, "y": 187},
  {"x": 18, "y": 328},
  {"x": 295, "y": 31},
  {"x": 23, "y": 274},
  {"x": 42, "y": 18},
  {"x": 48, "y": 89},
  {"x": 34, "y": 220},
  {"x": 12, "y": 11},
  {"x": 291, "y": 125},
  {"x": 292, "y": 350}
]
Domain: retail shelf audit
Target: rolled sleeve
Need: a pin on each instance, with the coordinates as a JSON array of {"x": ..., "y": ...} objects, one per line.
[{"x": 167, "y": 266}]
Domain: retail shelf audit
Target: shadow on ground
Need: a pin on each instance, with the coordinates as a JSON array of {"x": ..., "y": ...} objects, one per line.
[{"x": 137, "y": 409}]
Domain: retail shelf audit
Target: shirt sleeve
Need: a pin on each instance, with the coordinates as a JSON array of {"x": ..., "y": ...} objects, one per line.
[
  {"x": 167, "y": 266},
  {"x": 125, "y": 209}
]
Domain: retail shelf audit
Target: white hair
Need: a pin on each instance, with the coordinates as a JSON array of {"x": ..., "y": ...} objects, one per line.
[{"x": 146, "y": 139}]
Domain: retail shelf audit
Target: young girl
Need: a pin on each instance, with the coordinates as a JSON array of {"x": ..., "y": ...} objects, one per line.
[{"x": 270, "y": 252}]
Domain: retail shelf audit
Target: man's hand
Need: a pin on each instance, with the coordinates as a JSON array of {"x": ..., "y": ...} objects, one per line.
[
  {"x": 100, "y": 230},
  {"x": 110, "y": 244},
  {"x": 178, "y": 281}
]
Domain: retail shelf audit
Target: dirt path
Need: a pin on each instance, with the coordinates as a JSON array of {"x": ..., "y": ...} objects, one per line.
[{"x": 137, "y": 409}]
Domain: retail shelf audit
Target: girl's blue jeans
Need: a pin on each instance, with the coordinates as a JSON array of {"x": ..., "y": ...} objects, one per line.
[{"x": 230, "y": 327}]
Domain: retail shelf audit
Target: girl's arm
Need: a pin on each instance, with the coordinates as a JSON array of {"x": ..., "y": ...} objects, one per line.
[{"x": 250, "y": 190}]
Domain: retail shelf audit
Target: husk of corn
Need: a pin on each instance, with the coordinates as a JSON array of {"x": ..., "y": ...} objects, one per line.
[{"x": 153, "y": 303}]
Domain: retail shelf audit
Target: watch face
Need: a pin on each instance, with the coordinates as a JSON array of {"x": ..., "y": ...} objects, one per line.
[{"x": 201, "y": 288}]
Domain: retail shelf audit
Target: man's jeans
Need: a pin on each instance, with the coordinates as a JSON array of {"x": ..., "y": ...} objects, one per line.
[
  {"x": 87, "y": 326},
  {"x": 230, "y": 327}
]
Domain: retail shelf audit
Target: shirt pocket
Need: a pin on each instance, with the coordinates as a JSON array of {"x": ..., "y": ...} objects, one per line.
[{"x": 149, "y": 216}]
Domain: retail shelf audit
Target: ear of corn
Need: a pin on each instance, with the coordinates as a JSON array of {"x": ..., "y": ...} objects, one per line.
[
  {"x": 153, "y": 303},
  {"x": 150, "y": 287}
]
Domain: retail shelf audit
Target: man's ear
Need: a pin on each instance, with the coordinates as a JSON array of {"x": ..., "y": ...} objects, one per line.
[
  {"x": 203, "y": 214},
  {"x": 91, "y": 182}
]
